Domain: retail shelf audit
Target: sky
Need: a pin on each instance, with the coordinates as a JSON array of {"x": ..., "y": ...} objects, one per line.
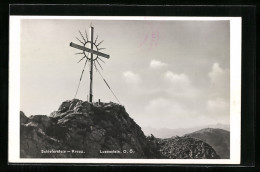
[{"x": 167, "y": 74}]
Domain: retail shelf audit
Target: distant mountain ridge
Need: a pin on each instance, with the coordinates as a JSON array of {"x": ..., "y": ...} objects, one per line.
[{"x": 167, "y": 132}]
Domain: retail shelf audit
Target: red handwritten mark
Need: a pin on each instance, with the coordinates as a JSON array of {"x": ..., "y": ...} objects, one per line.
[
  {"x": 150, "y": 40},
  {"x": 154, "y": 37}
]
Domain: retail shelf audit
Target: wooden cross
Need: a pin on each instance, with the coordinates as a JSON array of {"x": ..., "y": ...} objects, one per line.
[{"x": 91, "y": 51}]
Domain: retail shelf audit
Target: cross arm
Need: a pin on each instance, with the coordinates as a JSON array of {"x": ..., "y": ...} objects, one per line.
[{"x": 88, "y": 50}]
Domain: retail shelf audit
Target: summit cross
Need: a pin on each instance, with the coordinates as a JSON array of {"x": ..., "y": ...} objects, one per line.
[{"x": 92, "y": 52}]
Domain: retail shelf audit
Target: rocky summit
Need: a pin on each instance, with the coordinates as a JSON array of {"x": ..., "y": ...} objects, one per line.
[
  {"x": 84, "y": 130},
  {"x": 79, "y": 129}
]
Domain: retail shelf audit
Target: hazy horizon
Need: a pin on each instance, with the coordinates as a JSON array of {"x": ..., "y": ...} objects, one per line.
[{"x": 172, "y": 74}]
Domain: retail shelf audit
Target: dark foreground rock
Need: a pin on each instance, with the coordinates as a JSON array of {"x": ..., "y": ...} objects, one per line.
[
  {"x": 85, "y": 130},
  {"x": 184, "y": 148}
]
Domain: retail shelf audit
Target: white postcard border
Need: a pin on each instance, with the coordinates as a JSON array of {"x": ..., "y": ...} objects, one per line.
[{"x": 14, "y": 95}]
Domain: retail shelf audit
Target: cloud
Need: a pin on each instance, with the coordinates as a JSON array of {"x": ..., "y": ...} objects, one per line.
[
  {"x": 155, "y": 64},
  {"x": 219, "y": 79},
  {"x": 164, "y": 106},
  {"x": 176, "y": 78},
  {"x": 180, "y": 86},
  {"x": 217, "y": 73},
  {"x": 217, "y": 104},
  {"x": 218, "y": 99},
  {"x": 218, "y": 109},
  {"x": 131, "y": 77},
  {"x": 166, "y": 112}
]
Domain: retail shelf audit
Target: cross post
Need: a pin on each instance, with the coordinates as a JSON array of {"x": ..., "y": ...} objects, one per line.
[
  {"x": 92, "y": 52},
  {"x": 91, "y": 30}
]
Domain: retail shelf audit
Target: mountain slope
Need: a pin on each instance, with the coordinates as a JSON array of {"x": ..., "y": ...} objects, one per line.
[
  {"x": 219, "y": 139},
  {"x": 184, "y": 148}
]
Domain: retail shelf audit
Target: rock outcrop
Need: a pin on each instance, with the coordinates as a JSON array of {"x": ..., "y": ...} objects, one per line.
[{"x": 84, "y": 130}]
